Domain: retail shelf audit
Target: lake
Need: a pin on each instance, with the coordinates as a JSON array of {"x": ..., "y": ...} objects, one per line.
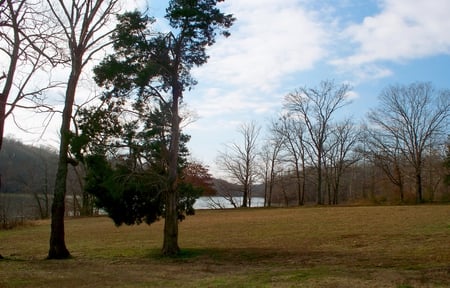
[{"x": 218, "y": 202}]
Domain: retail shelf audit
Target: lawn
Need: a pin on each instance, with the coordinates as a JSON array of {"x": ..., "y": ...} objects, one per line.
[{"x": 394, "y": 246}]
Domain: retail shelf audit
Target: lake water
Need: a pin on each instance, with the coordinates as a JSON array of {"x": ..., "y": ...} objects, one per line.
[{"x": 217, "y": 202}]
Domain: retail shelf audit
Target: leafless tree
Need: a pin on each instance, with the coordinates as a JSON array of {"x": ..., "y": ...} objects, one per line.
[
  {"x": 271, "y": 163},
  {"x": 316, "y": 106},
  {"x": 339, "y": 157},
  {"x": 385, "y": 153},
  {"x": 239, "y": 161},
  {"x": 28, "y": 51},
  {"x": 416, "y": 116},
  {"x": 85, "y": 26},
  {"x": 293, "y": 131}
]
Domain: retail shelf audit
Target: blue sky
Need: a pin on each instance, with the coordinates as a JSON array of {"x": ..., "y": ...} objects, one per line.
[{"x": 277, "y": 46}]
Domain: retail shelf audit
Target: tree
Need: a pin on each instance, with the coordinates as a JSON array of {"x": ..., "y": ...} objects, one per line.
[
  {"x": 385, "y": 153},
  {"x": 240, "y": 160},
  {"x": 415, "y": 115},
  {"x": 339, "y": 156},
  {"x": 28, "y": 46},
  {"x": 196, "y": 174},
  {"x": 152, "y": 65},
  {"x": 294, "y": 132},
  {"x": 83, "y": 23},
  {"x": 316, "y": 106},
  {"x": 270, "y": 156}
]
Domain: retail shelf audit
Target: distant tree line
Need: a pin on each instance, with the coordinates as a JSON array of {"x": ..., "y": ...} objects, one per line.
[{"x": 311, "y": 154}]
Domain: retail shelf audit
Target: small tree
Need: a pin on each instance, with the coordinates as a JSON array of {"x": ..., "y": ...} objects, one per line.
[{"x": 240, "y": 161}]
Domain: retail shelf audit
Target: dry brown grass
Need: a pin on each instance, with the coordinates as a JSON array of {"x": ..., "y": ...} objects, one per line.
[{"x": 402, "y": 246}]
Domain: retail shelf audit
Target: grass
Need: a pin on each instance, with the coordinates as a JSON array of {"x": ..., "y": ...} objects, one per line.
[{"x": 400, "y": 246}]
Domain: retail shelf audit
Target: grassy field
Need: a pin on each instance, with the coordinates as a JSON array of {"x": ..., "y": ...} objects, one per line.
[{"x": 401, "y": 246}]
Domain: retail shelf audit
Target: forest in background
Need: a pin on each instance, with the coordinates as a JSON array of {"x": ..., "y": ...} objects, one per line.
[{"x": 28, "y": 172}]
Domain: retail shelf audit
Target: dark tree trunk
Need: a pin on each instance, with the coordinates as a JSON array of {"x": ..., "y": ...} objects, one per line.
[
  {"x": 58, "y": 248},
  {"x": 170, "y": 244},
  {"x": 419, "y": 187},
  {"x": 319, "y": 181}
]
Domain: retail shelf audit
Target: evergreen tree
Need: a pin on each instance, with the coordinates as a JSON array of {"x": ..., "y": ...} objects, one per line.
[{"x": 148, "y": 64}]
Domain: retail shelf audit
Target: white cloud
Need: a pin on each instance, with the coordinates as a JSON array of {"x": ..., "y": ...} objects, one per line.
[
  {"x": 269, "y": 41},
  {"x": 401, "y": 31}
]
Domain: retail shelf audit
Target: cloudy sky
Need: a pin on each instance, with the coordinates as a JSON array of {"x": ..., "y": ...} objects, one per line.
[{"x": 277, "y": 46}]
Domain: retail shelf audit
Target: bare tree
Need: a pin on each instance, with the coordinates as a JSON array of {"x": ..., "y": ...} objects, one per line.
[
  {"x": 385, "y": 153},
  {"x": 28, "y": 46},
  {"x": 339, "y": 156},
  {"x": 85, "y": 32},
  {"x": 239, "y": 161},
  {"x": 414, "y": 115},
  {"x": 271, "y": 164},
  {"x": 293, "y": 130},
  {"x": 316, "y": 106}
]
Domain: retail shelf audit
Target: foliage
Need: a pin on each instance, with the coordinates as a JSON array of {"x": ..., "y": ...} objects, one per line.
[
  {"x": 198, "y": 176},
  {"x": 126, "y": 161},
  {"x": 132, "y": 197}
]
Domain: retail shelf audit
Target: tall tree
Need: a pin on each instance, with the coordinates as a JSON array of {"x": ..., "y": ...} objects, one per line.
[
  {"x": 293, "y": 130},
  {"x": 240, "y": 160},
  {"x": 385, "y": 153},
  {"x": 339, "y": 157},
  {"x": 415, "y": 115},
  {"x": 271, "y": 164},
  {"x": 84, "y": 27},
  {"x": 316, "y": 106},
  {"x": 28, "y": 46},
  {"x": 153, "y": 64}
]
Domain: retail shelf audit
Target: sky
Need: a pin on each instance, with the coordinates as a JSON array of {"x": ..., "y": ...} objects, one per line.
[{"x": 278, "y": 46}]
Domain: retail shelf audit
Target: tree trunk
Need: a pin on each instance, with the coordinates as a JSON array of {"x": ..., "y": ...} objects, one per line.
[
  {"x": 2, "y": 116},
  {"x": 245, "y": 196},
  {"x": 58, "y": 248},
  {"x": 170, "y": 244},
  {"x": 319, "y": 181},
  {"x": 419, "y": 187}
]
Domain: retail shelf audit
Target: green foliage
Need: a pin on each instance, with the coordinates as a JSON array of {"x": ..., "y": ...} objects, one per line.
[
  {"x": 126, "y": 161},
  {"x": 133, "y": 197},
  {"x": 127, "y": 196}
]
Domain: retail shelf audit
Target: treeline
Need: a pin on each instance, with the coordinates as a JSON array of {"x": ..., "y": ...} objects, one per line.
[
  {"x": 27, "y": 175},
  {"x": 312, "y": 154}
]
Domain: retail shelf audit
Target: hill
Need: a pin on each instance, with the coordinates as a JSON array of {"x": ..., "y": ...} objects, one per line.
[{"x": 26, "y": 169}]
